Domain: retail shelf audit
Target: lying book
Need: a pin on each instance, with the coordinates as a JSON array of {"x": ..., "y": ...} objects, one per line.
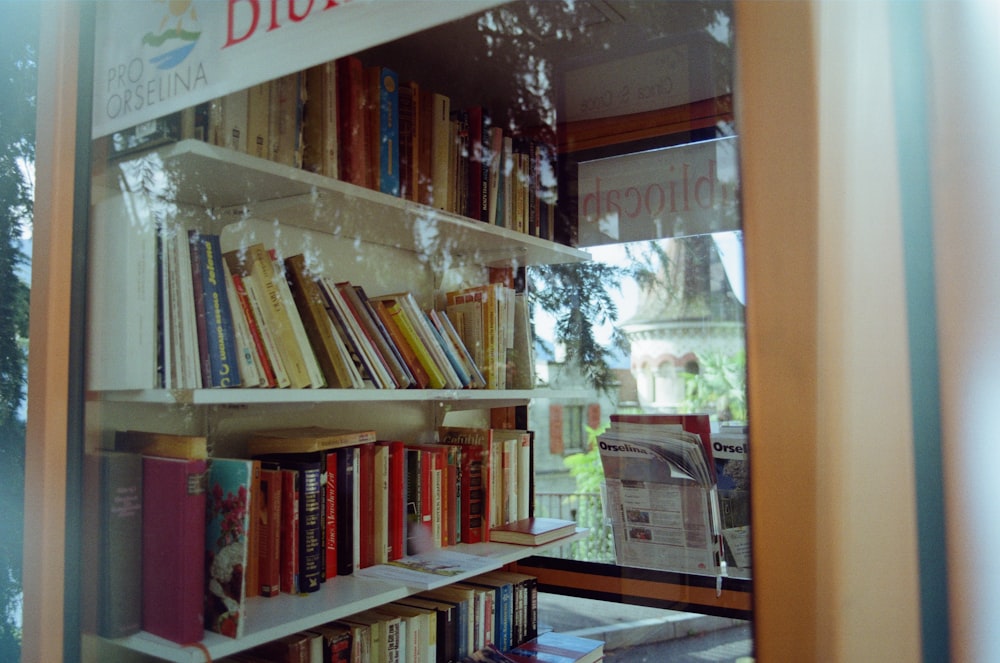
[
  {"x": 554, "y": 647},
  {"x": 306, "y": 439},
  {"x": 433, "y": 568},
  {"x": 532, "y": 531}
]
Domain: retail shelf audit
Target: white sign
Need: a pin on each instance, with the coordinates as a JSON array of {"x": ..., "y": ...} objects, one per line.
[
  {"x": 154, "y": 58},
  {"x": 671, "y": 192}
]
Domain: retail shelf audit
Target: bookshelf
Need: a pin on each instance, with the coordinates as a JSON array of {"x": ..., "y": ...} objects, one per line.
[
  {"x": 382, "y": 242},
  {"x": 271, "y": 618}
]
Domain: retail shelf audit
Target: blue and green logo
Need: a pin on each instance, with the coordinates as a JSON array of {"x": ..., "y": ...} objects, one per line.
[{"x": 176, "y": 36}]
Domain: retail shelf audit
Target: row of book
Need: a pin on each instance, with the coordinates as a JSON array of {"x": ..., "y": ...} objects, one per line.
[
  {"x": 304, "y": 506},
  {"x": 244, "y": 318},
  {"x": 447, "y": 625},
  {"x": 363, "y": 125}
]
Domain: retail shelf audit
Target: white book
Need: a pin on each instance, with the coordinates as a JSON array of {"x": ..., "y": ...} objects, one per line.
[
  {"x": 186, "y": 313},
  {"x": 316, "y": 377}
]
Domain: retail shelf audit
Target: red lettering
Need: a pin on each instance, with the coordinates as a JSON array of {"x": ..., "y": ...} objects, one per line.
[
  {"x": 595, "y": 198},
  {"x": 709, "y": 181},
  {"x": 330, "y": 4},
  {"x": 232, "y": 40},
  {"x": 649, "y": 199},
  {"x": 274, "y": 16},
  {"x": 298, "y": 17},
  {"x": 638, "y": 201}
]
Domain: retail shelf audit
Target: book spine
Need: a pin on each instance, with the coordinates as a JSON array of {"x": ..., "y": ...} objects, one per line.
[
  {"x": 396, "y": 499},
  {"x": 289, "y": 531},
  {"x": 201, "y": 312},
  {"x": 332, "y": 478},
  {"x": 380, "y": 503},
  {"x": 345, "y": 509},
  {"x": 270, "y": 531},
  {"x": 229, "y": 503},
  {"x": 366, "y": 478},
  {"x": 120, "y": 597},
  {"x": 173, "y": 548},
  {"x": 436, "y": 378},
  {"x": 310, "y": 530},
  {"x": 388, "y": 89}
]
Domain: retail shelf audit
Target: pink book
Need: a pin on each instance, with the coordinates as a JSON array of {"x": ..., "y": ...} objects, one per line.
[{"x": 173, "y": 548}]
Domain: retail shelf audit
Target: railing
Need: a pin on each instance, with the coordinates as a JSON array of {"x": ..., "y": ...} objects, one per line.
[{"x": 587, "y": 511}]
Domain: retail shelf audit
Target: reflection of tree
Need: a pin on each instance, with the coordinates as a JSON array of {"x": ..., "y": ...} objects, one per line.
[
  {"x": 580, "y": 297},
  {"x": 18, "y": 59}
]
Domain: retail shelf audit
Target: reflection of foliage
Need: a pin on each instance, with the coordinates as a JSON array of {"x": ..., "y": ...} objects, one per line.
[
  {"x": 586, "y": 468},
  {"x": 739, "y": 472},
  {"x": 18, "y": 84},
  {"x": 579, "y": 296},
  {"x": 719, "y": 386}
]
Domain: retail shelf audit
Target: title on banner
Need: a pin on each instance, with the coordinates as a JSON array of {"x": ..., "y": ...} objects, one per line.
[{"x": 670, "y": 192}]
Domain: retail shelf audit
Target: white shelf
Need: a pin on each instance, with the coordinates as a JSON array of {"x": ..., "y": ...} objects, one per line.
[
  {"x": 468, "y": 398},
  {"x": 225, "y": 180},
  {"x": 271, "y": 618}
]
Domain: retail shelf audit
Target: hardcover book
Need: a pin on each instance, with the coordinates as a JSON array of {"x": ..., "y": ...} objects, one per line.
[
  {"x": 306, "y": 439},
  {"x": 533, "y": 531},
  {"x": 229, "y": 505},
  {"x": 167, "y": 445},
  {"x": 173, "y": 548},
  {"x": 119, "y": 609}
]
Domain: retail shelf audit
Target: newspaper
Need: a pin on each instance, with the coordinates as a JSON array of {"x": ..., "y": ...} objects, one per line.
[{"x": 661, "y": 499}]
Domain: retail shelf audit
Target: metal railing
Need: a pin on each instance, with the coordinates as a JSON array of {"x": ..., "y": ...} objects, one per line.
[{"x": 586, "y": 509}]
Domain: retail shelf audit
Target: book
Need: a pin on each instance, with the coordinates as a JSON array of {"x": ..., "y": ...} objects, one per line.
[
  {"x": 267, "y": 526},
  {"x": 167, "y": 445},
  {"x": 227, "y": 543},
  {"x": 320, "y": 153},
  {"x": 306, "y": 439},
  {"x": 258, "y": 122},
  {"x": 336, "y": 364},
  {"x": 173, "y": 548},
  {"x": 387, "y": 98},
  {"x": 352, "y": 135},
  {"x": 285, "y": 125},
  {"x": 532, "y": 531},
  {"x": 119, "y": 602},
  {"x": 357, "y": 302},
  {"x": 396, "y": 537},
  {"x": 347, "y": 516},
  {"x": 289, "y": 531},
  {"x": 316, "y": 377},
  {"x": 219, "y": 351},
  {"x": 330, "y": 516},
  {"x": 440, "y": 148},
  {"x": 552, "y": 647}
]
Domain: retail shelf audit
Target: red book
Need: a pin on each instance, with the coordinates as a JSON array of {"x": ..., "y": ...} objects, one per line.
[
  {"x": 173, "y": 548},
  {"x": 269, "y": 523},
  {"x": 352, "y": 130},
  {"x": 366, "y": 505},
  {"x": 397, "y": 498},
  {"x": 289, "y": 530}
]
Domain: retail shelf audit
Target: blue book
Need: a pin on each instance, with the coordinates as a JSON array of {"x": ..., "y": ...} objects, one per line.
[
  {"x": 218, "y": 347},
  {"x": 388, "y": 101}
]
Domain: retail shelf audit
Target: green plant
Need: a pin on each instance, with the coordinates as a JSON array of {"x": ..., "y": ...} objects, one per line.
[{"x": 719, "y": 386}]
